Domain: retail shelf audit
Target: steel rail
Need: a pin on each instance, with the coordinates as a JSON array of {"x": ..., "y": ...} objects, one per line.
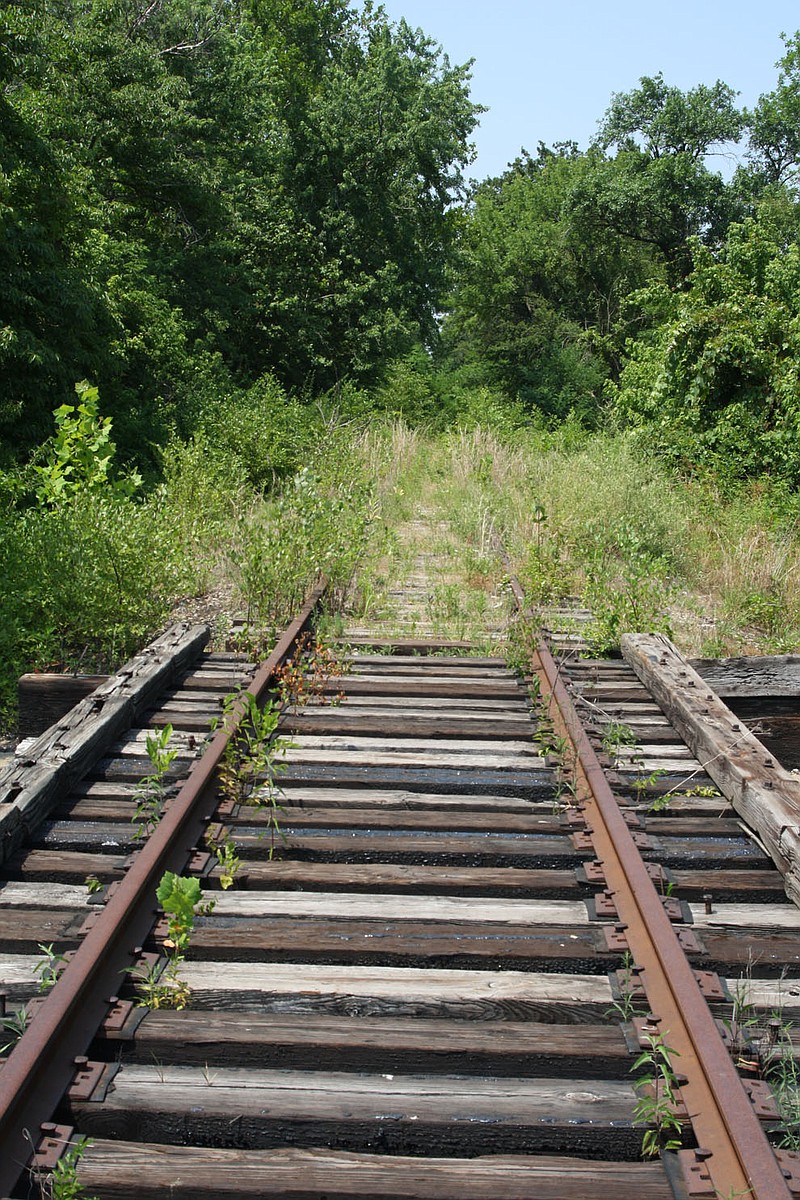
[
  {"x": 741, "y": 1161},
  {"x": 41, "y": 1066}
]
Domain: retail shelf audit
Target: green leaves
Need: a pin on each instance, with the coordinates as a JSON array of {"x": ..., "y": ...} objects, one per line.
[
  {"x": 717, "y": 379},
  {"x": 150, "y": 791},
  {"x": 179, "y": 897},
  {"x": 542, "y": 281},
  {"x": 663, "y": 120},
  {"x": 81, "y": 454},
  {"x": 774, "y": 123},
  {"x": 196, "y": 189}
]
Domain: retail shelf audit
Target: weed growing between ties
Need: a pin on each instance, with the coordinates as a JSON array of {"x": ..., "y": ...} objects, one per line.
[
  {"x": 764, "y": 1043},
  {"x": 625, "y": 1006},
  {"x": 49, "y": 966},
  {"x": 221, "y": 844},
  {"x": 617, "y": 736},
  {"x": 159, "y": 986},
  {"x": 253, "y": 760},
  {"x": 151, "y": 791},
  {"x": 62, "y": 1182},
  {"x": 783, "y": 1072},
  {"x": 557, "y": 748},
  {"x": 12, "y": 1026},
  {"x": 657, "y": 1097},
  {"x": 307, "y": 674},
  {"x": 47, "y": 969},
  {"x": 255, "y": 755}
]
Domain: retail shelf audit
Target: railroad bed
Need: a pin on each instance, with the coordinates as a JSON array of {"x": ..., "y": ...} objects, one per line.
[{"x": 424, "y": 987}]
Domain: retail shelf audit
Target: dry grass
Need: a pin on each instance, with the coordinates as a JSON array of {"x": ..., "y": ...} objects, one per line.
[
  {"x": 434, "y": 573},
  {"x": 724, "y": 572},
  {"x": 580, "y": 516}
]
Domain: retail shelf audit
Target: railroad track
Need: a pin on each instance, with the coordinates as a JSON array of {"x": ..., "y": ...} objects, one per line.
[{"x": 435, "y": 983}]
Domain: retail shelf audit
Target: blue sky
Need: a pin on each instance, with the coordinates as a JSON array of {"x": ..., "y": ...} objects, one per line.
[{"x": 546, "y": 71}]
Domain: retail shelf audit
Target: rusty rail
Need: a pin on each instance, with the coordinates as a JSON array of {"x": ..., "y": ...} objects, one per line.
[
  {"x": 735, "y": 1153},
  {"x": 740, "y": 1159},
  {"x": 42, "y": 1065}
]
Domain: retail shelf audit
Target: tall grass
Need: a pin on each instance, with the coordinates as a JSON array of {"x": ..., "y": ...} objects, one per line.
[
  {"x": 84, "y": 582},
  {"x": 597, "y": 518},
  {"x": 87, "y": 580}
]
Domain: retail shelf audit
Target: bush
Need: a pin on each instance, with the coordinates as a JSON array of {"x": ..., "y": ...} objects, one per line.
[
  {"x": 82, "y": 585},
  {"x": 265, "y": 430},
  {"x": 716, "y": 382},
  {"x": 421, "y": 392}
]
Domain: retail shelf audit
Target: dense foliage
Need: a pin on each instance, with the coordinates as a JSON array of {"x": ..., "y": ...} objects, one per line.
[
  {"x": 716, "y": 381},
  {"x": 632, "y": 282},
  {"x": 233, "y": 232},
  {"x": 194, "y": 195}
]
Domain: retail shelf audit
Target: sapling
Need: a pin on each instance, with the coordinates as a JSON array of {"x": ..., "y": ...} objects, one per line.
[
  {"x": 657, "y": 1104},
  {"x": 151, "y": 790}
]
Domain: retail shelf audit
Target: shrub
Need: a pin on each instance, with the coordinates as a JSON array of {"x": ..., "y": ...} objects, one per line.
[
  {"x": 266, "y": 431},
  {"x": 715, "y": 382}
]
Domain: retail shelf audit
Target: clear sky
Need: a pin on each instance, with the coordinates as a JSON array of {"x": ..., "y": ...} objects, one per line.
[{"x": 546, "y": 71}]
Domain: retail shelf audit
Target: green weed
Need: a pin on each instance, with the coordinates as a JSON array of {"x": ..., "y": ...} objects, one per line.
[
  {"x": 624, "y": 1008},
  {"x": 151, "y": 790},
  {"x": 655, "y": 1105},
  {"x": 182, "y": 901},
  {"x": 253, "y": 761},
  {"x": 180, "y": 897},
  {"x": 159, "y": 986},
  {"x": 224, "y": 849},
  {"x": 62, "y": 1182},
  {"x": 764, "y": 1043},
  {"x": 617, "y": 734},
  {"x": 13, "y": 1025},
  {"x": 49, "y": 966},
  {"x": 319, "y": 524}
]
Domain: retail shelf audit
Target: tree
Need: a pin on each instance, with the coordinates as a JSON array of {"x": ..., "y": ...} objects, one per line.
[
  {"x": 553, "y": 248},
  {"x": 716, "y": 379},
  {"x": 50, "y": 312},
  {"x": 774, "y": 124},
  {"x": 376, "y": 168},
  {"x": 540, "y": 287},
  {"x": 657, "y": 189},
  {"x": 660, "y": 120},
  {"x": 201, "y": 192}
]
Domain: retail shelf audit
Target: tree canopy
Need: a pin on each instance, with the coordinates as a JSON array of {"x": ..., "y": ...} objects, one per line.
[
  {"x": 213, "y": 207},
  {"x": 195, "y": 194},
  {"x": 594, "y": 275}
]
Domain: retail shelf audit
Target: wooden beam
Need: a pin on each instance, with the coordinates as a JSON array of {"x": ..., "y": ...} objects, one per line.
[
  {"x": 384, "y": 1044},
  {"x": 763, "y": 793},
  {"x": 751, "y": 675},
  {"x": 121, "y": 1170},
  {"x": 32, "y": 784}
]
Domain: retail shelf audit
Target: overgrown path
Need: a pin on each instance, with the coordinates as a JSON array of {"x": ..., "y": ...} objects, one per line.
[
  {"x": 415, "y": 980},
  {"x": 434, "y": 572}
]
